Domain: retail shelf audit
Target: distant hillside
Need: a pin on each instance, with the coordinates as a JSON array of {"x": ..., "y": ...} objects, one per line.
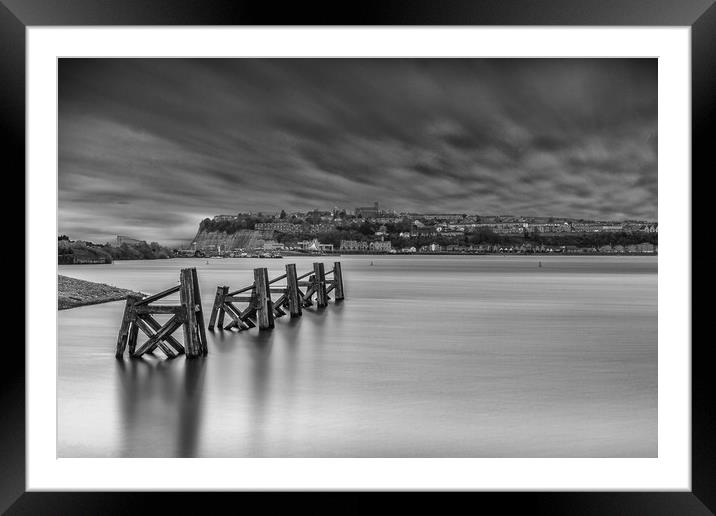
[{"x": 241, "y": 239}]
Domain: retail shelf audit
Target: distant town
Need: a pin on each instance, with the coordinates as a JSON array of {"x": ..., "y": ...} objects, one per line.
[{"x": 373, "y": 230}]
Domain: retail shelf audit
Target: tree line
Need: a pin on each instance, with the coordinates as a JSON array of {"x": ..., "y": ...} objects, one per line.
[{"x": 105, "y": 253}]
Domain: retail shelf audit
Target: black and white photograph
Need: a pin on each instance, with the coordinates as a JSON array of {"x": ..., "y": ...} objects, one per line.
[{"x": 357, "y": 257}]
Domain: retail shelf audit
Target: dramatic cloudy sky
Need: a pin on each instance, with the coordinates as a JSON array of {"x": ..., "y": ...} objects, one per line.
[{"x": 148, "y": 148}]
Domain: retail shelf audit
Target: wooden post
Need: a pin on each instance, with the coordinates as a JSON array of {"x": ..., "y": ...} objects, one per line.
[
  {"x": 218, "y": 309},
  {"x": 132, "y": 341},
  {"x": 338, "y": 281},
  {"x": 194, "y": 345},
  {"x": 199, "y": 313},
  {"x": 186, "y": 296},
  {"x": 124, "y": 329},
  {"x": 264, "y": 305},
  {"x": 320, "y": 279},
  {"x": 294, "y": 299},
  {"x": 201, "y": 330}
]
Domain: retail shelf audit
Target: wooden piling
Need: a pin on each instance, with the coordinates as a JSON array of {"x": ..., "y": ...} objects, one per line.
[
  {"x": 199, "y": 313},
  {"x": 132, "y": 340},
  {"x": 292, "y": 291},
  {"x": 187, "y": 300},
  {"x": 264, "y": 305},
  {"x": 320, "y": 284},
  {"x": 194, "y": 336},
  {"x": 338, "y": 281},
  {"x": 125, "y": 327}
]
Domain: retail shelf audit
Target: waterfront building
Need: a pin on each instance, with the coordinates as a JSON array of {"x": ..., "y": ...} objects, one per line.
[
  {"x": 611, "y": 227},
  {"x": 224, "y": 218},
  {"x": 448, "y": 217},
  {"x": 387, "y": 220},
  {"x": 500, "y": 228},
  {"x": 563, "y": 227},
  {"x": 458, "y": 248},
  {"x": 367, "y": 212},
  {"x": 354, "y": 245},
  {"x": 127, "y": 240},
  {"x": 281, "y": 227},
  {"x": 321, "y": 227},
  {"x": 595, "y": 227},
  {"x": 381, "y": 246},
  {"x": 185, "y": 252},
  {"x": 641, "y": 248},
  {"x": 272, "y": 245},
  {"x": 315, "y": 246}
]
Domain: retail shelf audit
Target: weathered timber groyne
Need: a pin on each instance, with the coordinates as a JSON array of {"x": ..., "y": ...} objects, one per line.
[
  {"x": 259, "y": 308},
  {"x": 188, "y": 314}
]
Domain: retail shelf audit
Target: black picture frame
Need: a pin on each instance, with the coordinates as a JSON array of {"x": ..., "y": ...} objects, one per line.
[{"x": 700, "y": 15}]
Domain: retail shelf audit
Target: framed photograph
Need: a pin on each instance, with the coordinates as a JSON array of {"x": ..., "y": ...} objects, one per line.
[{"x": 411, "y": 249}]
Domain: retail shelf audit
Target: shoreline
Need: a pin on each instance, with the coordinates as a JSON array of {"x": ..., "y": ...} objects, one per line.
[
  {"x": 437, "y": 253},
  {"x": 73, "y": 292},
  {"x": 458, "y": 253}
]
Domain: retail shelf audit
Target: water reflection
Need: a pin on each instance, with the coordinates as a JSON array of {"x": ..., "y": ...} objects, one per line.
[
  {"x": 223, "y": 340},
  {"x": 190, "y": 407},
  {"x": 337, "y": 309},
  {"x": 149, "y": 390},
  {"x": 260, "y": 346}
]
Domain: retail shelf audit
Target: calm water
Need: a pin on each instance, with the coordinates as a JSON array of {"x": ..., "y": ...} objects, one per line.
[{"x": 427, "y": 357}]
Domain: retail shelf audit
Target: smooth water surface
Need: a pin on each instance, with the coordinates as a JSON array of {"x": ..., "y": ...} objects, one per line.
[{"x": 428, "y": 356}]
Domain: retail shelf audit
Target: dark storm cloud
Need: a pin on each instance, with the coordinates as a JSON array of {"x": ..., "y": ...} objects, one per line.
[{"x": 150, "y": 147}]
